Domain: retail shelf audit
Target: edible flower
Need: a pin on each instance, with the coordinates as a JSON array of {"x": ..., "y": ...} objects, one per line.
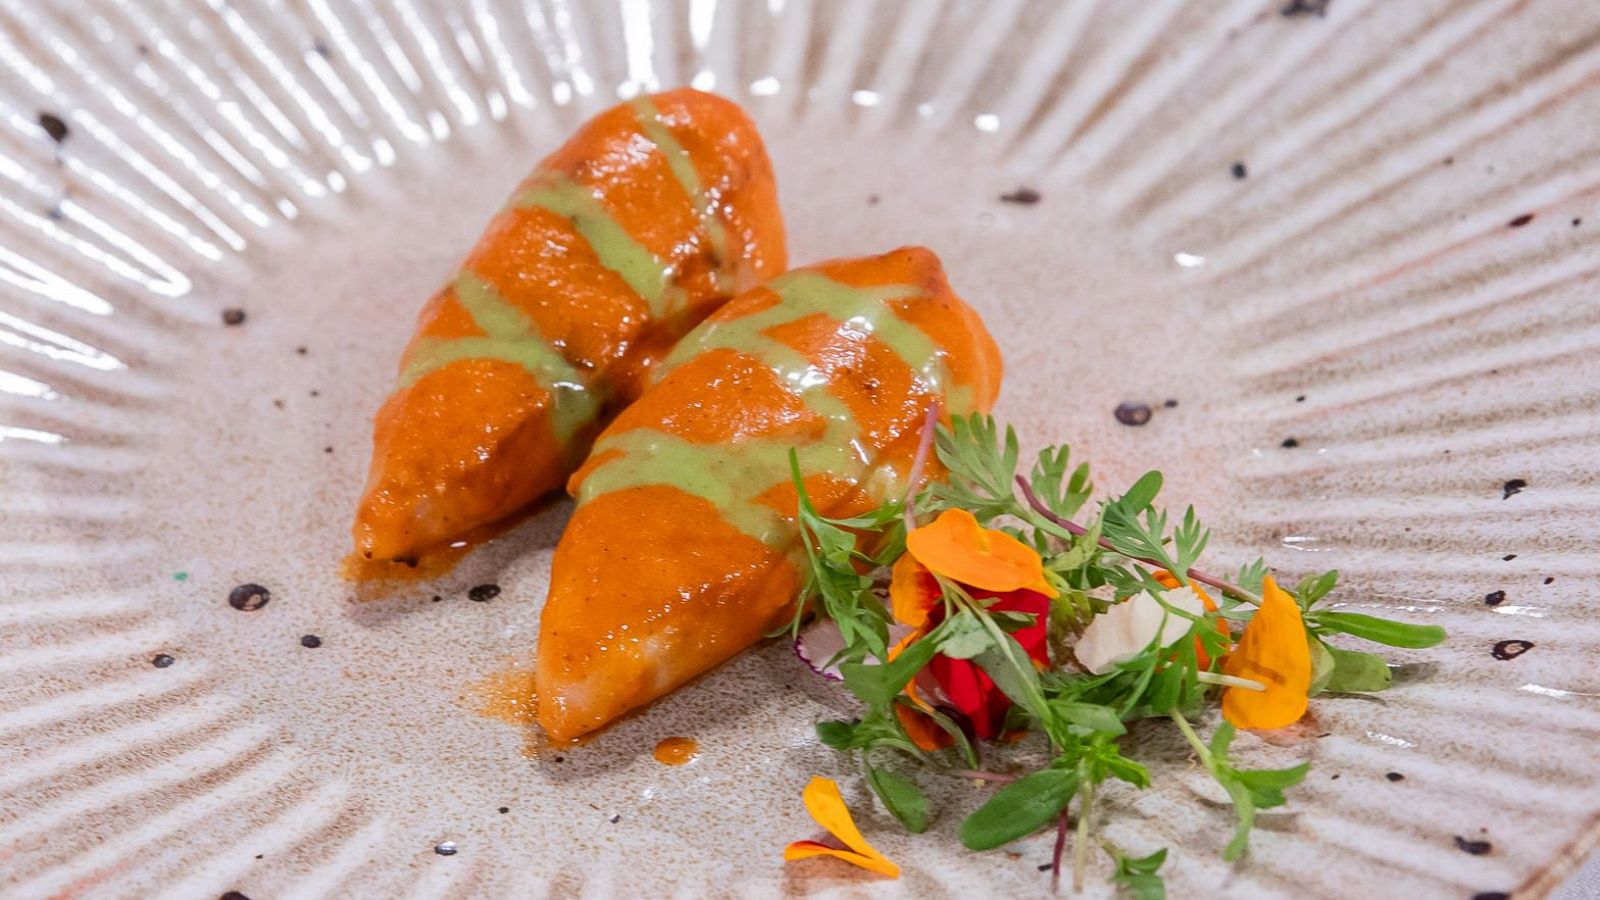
[
  {"x": 955, "y": 546},
  {"x": 1124, "y": 630},
  {"x": 826, "y": 806},
  {"x": 1169, "y": 581},
  {"x": 915, "y": 598},
  {"x": 1273, "y": 651}
]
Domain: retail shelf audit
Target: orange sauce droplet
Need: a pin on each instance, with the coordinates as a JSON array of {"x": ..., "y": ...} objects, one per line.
[
  {"x": 676, "y": 751},
  {"x": 508, "y": 696}
]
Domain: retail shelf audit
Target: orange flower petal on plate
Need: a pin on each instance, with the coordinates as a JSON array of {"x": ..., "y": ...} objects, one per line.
[
  {"x": 913, "y": 592},
  {"x": 956, "y": 546},
  {"x": 922, "y": 730},
  {"x": 826, "y": 805},
  {"x": 1273, "y": 650}
]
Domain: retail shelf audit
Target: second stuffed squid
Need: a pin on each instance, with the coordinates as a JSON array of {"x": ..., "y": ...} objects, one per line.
[{"x": 682, "y": 550}]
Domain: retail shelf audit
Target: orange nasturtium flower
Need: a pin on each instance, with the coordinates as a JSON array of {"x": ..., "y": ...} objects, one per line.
[
  {"x": 956, "y": 546},
  {"x": 1273, "y": 651},
  {"x": 913, "y": 592},
  {"x": 826, "y": 805}
]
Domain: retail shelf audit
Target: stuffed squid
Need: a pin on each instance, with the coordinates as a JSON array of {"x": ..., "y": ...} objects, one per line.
[
  {"x": 683, "y": 548},
  {"x": 653, "y": 215}
]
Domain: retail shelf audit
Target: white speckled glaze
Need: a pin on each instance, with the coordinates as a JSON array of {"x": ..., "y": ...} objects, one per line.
[{"x": 323, "y": 164}]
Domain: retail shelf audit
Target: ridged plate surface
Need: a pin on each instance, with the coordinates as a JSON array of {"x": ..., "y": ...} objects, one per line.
[{"x": 1370, "y": 227}]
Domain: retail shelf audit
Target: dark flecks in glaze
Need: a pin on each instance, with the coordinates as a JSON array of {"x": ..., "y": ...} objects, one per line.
[
  {"x": 234, "y": 895},
  {"x": 1335, "y": 777},
  {"x": 561, "y": 759},
  {"x": 1511, "y": 649},
  {"x": 445, "y": 848},
  {"x": 437, "y": 598},
  {"x": 249, "y": 597},
  {"x": 1132, "y": 413},
  {"x": 1045, "y": 867},
  {"x": 162, "y": 660},
  {"x": 1449, "y": 160},
  {"x": 55, "y": 213},
  {"x": 54, "y": 126},
  {"x": 320, "y": 48},
  {"x": 143, "y": 49},
  {"x": 233, "y": 316},
  {"x": 327, "y": 449},
  {"x": 1550, "y": 579},
  {"x": 872, "y": 199},
  {"x": 1023, "y": 196},
  {"x": 310, "y": 641},
  {"x": 1509, "y": 557},
  {"x": 616, "y": 818},
  {"x": 1170, "y": 404},
  {"x": 1494, "y": 598},
  {"x": 483, "y": 593},
  {"x": 1239, "y": 171},
  {"x": 1300, "y": 399},
  {"x": 1394, "y": 776},
  {"x": 504, "y": 810},
  {"x": 278, "y": 404},
  {"x": 1520, "y": 221},
  {"x": 1577, "y": 221},
  {"x": 1476, "y": 848},
  {"x": 1290, "y": 443},
  {"x": 1514, "y": 486},
  {"x": 1491, "y": 895},
  {"x": 1318, "y": 8},
  {"x": 316, "y": 393},
  {"x": 300, "y": 350}
]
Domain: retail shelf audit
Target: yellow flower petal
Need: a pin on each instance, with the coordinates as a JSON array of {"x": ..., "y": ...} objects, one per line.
[
  {"x": 826, "y": 805},
  {"x": 1273, "y": 651},
  {"x": 808, "y": 849},
  {"x": 956, "y": 546}
]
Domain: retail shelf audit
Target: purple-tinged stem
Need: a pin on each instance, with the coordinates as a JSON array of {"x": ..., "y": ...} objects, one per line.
[{"x": 1061, "y": 846}]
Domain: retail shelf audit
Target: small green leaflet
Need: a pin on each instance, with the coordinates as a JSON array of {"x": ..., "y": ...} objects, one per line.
[
  {"x": 966, "y": 637},
  {"x": 1379, "y": 631},
  {"x": 1358, "y": 673},
  {"x": 1250, "y": 790},
  {"x": 1019, "y": 809},
  {"x": 901, "y": 796},
  {"x": 1139, "y": 877},
  {"x": 1314, "y": 587}
]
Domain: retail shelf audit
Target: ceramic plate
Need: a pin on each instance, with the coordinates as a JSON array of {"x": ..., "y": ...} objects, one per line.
[{"x": 1347, "y": 251}]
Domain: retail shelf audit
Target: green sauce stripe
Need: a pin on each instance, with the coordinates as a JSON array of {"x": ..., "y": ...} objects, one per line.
[
  {"x": 510, "y": 336},
  {"x": 684, "y": 171},
  {"x": 645, "y": 273},
  {"x": 731, "y": 476}
]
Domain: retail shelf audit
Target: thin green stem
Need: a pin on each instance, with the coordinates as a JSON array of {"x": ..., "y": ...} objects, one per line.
[
  {"x": 1229, "y": 681},
  {"x": 1199, "y": 746}
]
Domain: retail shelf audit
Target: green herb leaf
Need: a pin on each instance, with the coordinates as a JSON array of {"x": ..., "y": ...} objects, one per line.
[
  {"x": 1355, "y": 672},
  {"x": 1379, "y": 631},
  {"x": 1322, "y": 664},
  {"x": 1063, "y": 495},
  {"x": 1137, "y": 876},
  {"x": 1314, "y": 587},
  {"x": 1091, "y": 716},
  {"x": 1019, "y": 809},
  {"x": 967, "y": 637},
  {"x": 837, "y": 734},
  {"x": 901, "y": 796}
]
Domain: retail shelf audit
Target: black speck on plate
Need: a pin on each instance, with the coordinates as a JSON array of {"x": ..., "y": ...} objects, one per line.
[
  {"x": 1514, "y": 486},
  {"x": 1290, "y": 443},
  {"x": 1511, "y": 649},
  {"x": 233, "y": 316},
  {"x": 54, "y": 126},
  {"x": 1476, "y": 848},
  {"x": 162, "y": 660},
  {"x": 1239, "y": 171},
  {"x": 1132, "y": 413},
  {"x": 1024, "y": 196},
  {"x": 1494, "y": 598},
  {"x": 1394, "y": 776},
  {"x": 249, "y": 597},
  {"x": 310, "y": 641},
  {"x": 483, "y": 593},
  {"x": 233, "y": 895},
  {"x": 1317, "y": 8},
  {"x": 1520, "y": 221}
]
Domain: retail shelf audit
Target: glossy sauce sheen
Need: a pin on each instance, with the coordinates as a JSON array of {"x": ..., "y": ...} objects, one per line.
[
  {"x": 651, "y": 217},
  {"x": 676, "y": 751},
  {"x": 683, "y": 549}
]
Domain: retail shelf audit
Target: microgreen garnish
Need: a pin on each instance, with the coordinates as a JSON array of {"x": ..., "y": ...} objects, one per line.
[{"x": 961, "y": 607}]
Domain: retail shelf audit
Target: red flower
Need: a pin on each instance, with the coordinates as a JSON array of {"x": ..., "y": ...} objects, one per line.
[{"x": 969, "y": 689}]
